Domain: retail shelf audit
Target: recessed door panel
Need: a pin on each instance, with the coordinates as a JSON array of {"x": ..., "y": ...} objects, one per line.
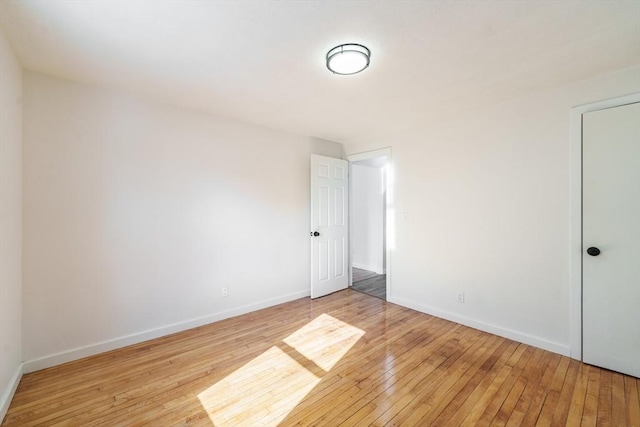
[
  {"x": 339, "y": 256},
  {"x": 323, "y": 260},
  {"x": 339, "y": 217},
  {"x": 323, "y": 206}
]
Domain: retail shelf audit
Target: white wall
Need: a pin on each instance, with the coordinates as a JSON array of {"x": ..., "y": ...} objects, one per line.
[
  {"x": 487, "y": 195},
  {"x": 10, "y": 223},
  {"x": 367, "y": 210},
  {"x": 136, "y": 215}
]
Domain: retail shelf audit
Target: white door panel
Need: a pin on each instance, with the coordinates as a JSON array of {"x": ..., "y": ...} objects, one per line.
[
  {"x": 329, "y": 213},
  {"x": 611, "y": 224}
]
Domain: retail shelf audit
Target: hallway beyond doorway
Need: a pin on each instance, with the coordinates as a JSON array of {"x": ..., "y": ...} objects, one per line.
[{"x": 370, "y": 283}]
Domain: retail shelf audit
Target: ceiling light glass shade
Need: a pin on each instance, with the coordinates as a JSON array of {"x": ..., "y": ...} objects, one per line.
[{"x": 348, "y": 59}]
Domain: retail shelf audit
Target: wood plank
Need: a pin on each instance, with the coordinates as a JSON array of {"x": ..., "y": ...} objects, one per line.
[
  {"x": 604, "y": 399},
  {"x": 632, "y": 401},
  {"x": 458, "y": 406},
  {"x": 537, "y": 379},
  {"x": 430, "y": 394},
  {"x": 540, "y": 393},
  {"x": 590, "y": 411},
  {"x": 407, "y": 376},
  {"x": 332, "y": 409},
  {"x": 284, "y": 366},
  {"x": 618, "y": 403},
  {"x": 551, "y": 396},
  {"x": 381, "y": 403},
  {"x": 481, "y": 405},
  {"x": 480, "y": 363},
  {"x": 495, "y": 404},
  {"x": 508, "y": 407},
  {"x": 561, "y": 413}
]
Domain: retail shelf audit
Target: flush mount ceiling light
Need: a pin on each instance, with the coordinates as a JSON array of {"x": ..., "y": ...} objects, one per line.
[{"x": 348, "y": 59}]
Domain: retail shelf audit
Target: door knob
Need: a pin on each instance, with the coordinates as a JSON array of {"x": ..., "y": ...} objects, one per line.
[
  {"x": 593, "y": 251},
  {"x": 315, "y": 233}
]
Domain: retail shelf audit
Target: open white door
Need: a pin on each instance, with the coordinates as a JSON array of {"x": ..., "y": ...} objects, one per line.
[
  {"x": 611, "y": 238},
  {"x": 329, "y": 231}
]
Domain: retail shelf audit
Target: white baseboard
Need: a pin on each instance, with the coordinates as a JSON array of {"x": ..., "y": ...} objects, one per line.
[
  {"x": 101, "y": 347},
  {"x": 486, "y": 327},
  {"x": 7, "y": 394},
  {"x": 376, "y": 270}
]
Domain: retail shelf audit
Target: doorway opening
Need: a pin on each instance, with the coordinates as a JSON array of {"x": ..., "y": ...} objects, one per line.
[{"x": 369, "y": 249}]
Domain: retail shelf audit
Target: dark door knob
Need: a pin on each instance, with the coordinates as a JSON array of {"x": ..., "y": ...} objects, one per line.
[
  {"x": 593, "y": 251},
  {"x": 315, "y": 234}
]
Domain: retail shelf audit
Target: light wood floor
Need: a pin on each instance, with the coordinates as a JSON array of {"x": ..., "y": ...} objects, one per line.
[{"x": 345, "y": 359}]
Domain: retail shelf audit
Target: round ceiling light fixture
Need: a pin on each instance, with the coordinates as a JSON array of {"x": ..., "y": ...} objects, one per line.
[{"x": 347, "y": 59}]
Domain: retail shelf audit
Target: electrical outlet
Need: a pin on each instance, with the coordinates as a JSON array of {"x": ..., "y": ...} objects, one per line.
[
  {"x": 225, "y": 292},
  {"x": 460, "y": 296}
]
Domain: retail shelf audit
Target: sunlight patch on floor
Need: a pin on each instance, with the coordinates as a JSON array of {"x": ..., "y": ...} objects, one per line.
[
  {"x": 262, "y": 392},
  {"x": 265, "y": 390},
  {"x": 325, "y": 340}
]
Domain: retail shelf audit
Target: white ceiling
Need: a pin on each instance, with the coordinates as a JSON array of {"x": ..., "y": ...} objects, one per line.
[{"x": 263, "y": 61}]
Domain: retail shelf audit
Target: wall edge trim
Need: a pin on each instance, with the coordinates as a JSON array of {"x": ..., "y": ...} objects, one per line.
[
  {"x": 136, "y": 338},
  {"x": 520, "y": 337},
  {"x": 10, "y": 391}
]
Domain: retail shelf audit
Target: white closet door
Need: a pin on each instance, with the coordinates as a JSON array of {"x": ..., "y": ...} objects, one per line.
[{"x": 611, "y": 238}]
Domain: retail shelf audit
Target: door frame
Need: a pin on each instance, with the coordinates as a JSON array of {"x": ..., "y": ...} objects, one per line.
[
  {"x": 575, "y": 329},
  {"x": 389, "y": 215}
]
